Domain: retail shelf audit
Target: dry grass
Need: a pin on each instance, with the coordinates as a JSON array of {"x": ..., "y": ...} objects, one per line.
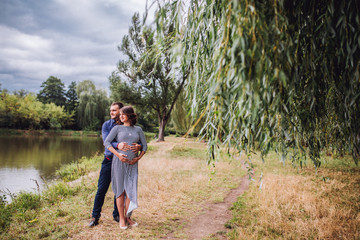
[
  {"x": 173, "y": 184},
  {"x": 299, "y": 204}
]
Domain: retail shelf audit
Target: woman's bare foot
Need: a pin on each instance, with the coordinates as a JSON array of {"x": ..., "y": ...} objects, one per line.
[
  {"x": 122, "y": 224},
  {"x": 131, "y": 222}
]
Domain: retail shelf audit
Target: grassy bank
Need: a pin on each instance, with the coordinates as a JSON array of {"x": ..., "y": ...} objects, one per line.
[
  {"x": 173, "y": 182},
  {"x": 75, "y": 133},
  {"x": 292, "y": 203},
  {"x": 32, "y": 132}
]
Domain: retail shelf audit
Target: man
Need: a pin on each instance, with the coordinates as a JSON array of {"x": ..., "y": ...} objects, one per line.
[{"x": 105, "y": 172}]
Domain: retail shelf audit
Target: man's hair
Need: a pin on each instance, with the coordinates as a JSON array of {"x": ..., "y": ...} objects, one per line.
[{"x": 119, "y": 104}]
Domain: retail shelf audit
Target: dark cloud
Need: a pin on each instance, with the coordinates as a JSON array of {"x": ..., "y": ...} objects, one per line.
[{"x": 70, "y": 39}]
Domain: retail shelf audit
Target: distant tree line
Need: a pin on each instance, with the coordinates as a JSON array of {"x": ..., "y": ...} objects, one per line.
[
  {"x": 24, "y": 112},
  {"x": 79, "y": 107},
  {"x": 82, "y": 106}
]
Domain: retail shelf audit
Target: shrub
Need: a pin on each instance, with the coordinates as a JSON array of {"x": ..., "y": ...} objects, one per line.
[
  {"x": 58, "y": 191},
  {"x": 73, "y": 171},
  {"x": 5, "y": 214},
  {"x": 26, "y": 201}
]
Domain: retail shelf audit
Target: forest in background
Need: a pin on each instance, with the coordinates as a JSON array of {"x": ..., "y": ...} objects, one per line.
[{"x": 79, "y": 107}]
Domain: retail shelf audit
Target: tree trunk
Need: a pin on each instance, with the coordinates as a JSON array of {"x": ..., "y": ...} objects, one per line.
[
  {"x": 162, "y": 130},
  {"x": 356, "y": 149}
]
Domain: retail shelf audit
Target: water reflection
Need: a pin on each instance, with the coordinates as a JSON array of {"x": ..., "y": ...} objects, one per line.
[
  {"x": 14, "y": 180},
  {"x": 23, "y": 158}
]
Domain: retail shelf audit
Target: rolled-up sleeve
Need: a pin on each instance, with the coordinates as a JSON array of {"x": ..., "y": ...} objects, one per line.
[{"x": 142, "y": 140}]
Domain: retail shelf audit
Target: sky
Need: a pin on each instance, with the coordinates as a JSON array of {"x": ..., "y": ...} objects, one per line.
[{"x": 73, "y": 40}]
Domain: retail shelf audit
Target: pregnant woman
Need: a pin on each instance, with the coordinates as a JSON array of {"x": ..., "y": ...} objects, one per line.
[{"x": 124, "y": 173}]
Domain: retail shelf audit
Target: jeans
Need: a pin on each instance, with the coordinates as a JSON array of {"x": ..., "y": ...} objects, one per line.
[{"x": 103, "y": 186}]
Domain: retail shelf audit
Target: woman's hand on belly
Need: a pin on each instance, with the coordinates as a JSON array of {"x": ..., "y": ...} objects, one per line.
[{"x": 122, "y": 157}]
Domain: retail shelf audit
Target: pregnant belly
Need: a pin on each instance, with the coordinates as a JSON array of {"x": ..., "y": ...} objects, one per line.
[{"x": 130, "y": 154}]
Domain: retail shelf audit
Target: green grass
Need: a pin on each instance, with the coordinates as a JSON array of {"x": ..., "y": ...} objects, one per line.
[
  {"x": 33, "y": 215},
  {"x": 152, "y": 148},
  {"x": 58, "y": 192},
  {"x": 337, "y": 162},
  {"x": 188, "y": 152},
  {"x": 83, "y": 166},
  {"x": 24, "y": 207},
  {"x": 5, "y": 214},
  {"x": 75, "y": 133},
  {"x": 149, "y": 136},
  {"x": 8, "y": 131},
  {"x": 26, "y": 201}
]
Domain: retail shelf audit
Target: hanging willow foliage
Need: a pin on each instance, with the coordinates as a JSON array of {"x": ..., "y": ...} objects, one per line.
[
  {"x": 266, "y": 74},
  {"x": 93, "y": 105}
]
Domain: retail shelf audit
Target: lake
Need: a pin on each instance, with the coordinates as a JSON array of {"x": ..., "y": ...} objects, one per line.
[{"x": 25, "y": 160}]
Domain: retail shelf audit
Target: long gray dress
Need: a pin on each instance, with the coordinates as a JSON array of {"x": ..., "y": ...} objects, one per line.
[{"x": 124, "y": 177}]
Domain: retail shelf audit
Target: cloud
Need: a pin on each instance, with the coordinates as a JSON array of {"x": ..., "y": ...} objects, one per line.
[
  {"x": 74, "y": 40},
  {"x": 19, "y": 45}
]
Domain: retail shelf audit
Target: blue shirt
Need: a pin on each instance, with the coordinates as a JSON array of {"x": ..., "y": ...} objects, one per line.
[{"x": 105, "y": 130}]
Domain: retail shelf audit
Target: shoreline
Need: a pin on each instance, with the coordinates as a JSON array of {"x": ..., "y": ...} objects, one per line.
[
  {"x": 66, "y": 133},
  {"x": 169, "y": 199},
  {"x": 33, "y": 132}
]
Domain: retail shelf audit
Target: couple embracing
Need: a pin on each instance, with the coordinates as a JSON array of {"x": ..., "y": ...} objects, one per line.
[{"x": 120, "y": 165}]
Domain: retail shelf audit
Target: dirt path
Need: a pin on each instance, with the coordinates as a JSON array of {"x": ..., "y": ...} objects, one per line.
[
  {"x": 162, "y": 198},
  {"x": 211, "y": 222}
]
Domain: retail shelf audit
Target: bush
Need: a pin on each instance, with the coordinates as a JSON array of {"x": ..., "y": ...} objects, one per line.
[
  {"x": 58, "y": 191},
  {"x": 26, "y": 201},
  {"x": 5, "y": 214},
  {"x": 54, "y": 124},
  {"x": 73, "y": 171},
  {"x": 149, "y": 136}
]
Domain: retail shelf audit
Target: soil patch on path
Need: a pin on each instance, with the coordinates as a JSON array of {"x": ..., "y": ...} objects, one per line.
[{"x": 211, "y": 221}]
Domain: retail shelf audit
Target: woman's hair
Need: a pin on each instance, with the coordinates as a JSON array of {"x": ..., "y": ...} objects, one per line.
[
  {"x": 129, "y": 112},
  {"x": 117, "y": 120}
]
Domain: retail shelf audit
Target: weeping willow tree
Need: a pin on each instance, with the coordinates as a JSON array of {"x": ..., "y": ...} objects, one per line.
[
  {"x": 277, "y": 74},
  {"x": 93, "y": 105},
  {"x": 182, "y": 119}
]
